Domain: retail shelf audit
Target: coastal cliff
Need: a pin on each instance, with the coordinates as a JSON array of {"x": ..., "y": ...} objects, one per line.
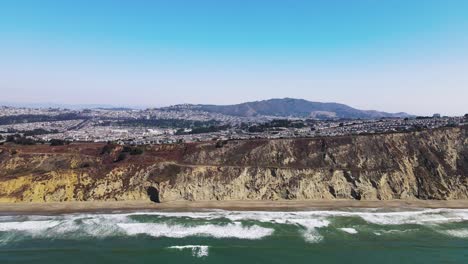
[{"x": 425, "y": 165}]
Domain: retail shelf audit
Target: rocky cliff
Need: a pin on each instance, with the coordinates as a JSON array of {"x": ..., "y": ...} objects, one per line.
[{"x": 418, "y": 165}]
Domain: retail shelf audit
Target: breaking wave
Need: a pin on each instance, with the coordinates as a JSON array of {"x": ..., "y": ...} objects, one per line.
[
  {"x": 235, "y": 230},
  {"x": 197, "y": 251},
  {"x": 349, "y": 230},
  {"x": 246, "y": 225}
]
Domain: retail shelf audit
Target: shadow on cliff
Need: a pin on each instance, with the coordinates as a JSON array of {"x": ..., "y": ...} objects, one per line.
[{"x": 153, "y": 194}]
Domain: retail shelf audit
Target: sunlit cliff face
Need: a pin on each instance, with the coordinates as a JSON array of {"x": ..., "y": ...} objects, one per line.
[{"x": 419, "y": 165}]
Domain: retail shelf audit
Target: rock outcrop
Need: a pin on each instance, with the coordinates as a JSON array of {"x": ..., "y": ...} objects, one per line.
[{"x": 418, "y": 165}]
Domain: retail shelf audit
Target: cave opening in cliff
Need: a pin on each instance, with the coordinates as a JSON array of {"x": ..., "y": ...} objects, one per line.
[{"x": 153, "y": 194}]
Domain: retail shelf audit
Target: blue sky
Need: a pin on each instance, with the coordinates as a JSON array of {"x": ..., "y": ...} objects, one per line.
[{"x": 386, "y": 55}]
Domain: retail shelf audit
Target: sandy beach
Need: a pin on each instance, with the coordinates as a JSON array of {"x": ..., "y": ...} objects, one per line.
[{"x": 99, "y": 206}]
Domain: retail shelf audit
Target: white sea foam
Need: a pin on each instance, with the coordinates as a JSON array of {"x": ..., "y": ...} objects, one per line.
[
  {"x": 308, "y": 221},
  {"x": 74, "y": 225},
  {"x": 423, "y": 217},
  {"x": 197, "y": 250},
  {"x": 85, "y": 228},
  {"x": 234, "y": 230},
  {"x": 460, "y": 233},
  {"x": 349, "y": 230},
  {"x": 428, "y": 216},
  {"x": 310, "y": 233},
  {"x": 28, "y": 226},
  {"x": 395, "y": 231},
  {"x": 233, "y": 223}
]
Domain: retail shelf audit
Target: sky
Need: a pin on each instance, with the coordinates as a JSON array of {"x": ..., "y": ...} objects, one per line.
[{"x": 387, "y": 55}]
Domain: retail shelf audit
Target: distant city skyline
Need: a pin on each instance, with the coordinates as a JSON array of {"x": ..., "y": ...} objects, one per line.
[{"x": 392, "y": 56}]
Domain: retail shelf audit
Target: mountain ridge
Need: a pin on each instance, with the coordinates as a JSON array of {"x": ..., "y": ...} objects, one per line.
[{"x": 291, "y": 107}]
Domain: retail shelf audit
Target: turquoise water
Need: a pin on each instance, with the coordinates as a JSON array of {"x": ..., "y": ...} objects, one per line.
[{"x": 345, "y": 236}]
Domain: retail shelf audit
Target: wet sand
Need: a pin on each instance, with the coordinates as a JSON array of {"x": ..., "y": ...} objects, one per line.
[{"x": 296, "y": 205}]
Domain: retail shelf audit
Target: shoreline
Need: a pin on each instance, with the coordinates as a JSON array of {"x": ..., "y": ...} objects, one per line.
[{"x": 252, "y": 205}]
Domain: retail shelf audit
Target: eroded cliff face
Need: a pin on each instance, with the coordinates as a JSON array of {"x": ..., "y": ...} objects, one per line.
[{"x": 419, "y": 165}]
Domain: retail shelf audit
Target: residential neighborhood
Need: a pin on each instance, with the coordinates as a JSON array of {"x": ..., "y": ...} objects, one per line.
[{"x": 185, "y": 124}]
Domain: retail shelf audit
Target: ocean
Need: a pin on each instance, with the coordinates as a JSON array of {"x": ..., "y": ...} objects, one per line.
[{"x": 218, "y": 236}]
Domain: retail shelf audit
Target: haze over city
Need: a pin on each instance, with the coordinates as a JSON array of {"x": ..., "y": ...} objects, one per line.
[{"x": 394, "y": 56}]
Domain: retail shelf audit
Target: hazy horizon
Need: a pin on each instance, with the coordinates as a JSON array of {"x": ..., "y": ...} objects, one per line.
[
  {"x": 396, "y": 56},
  {"x": 139, "y": 107}
]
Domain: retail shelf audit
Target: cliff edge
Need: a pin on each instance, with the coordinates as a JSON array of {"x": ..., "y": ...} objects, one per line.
[{"x": 419, "y": 165}]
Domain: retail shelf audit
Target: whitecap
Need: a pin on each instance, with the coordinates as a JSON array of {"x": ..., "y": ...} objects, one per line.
[
  {"x": 197, "y": 250},
  {"x": 28, "y": 226},
  {"x": 374, "y": 216},
  {"x": 460, "y": 233},
  {"x": 234, "y": 230},
  {"x": 310, "y": 233},
  {"x": 421, "y": 217},
  {"x": 309, "y": 222},
  {"x": 349, "y": 230}
]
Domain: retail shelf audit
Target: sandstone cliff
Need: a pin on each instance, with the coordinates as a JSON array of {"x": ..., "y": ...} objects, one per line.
[{"x": 419, "y": 165}]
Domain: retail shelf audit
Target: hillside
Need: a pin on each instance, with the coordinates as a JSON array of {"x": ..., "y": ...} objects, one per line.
[
  {"x": 419, "y": 165},
  {"x": 295, "y": 108}
]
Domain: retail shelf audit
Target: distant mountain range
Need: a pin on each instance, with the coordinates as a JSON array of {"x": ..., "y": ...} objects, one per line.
[
  {"x": 289, "y": 107},
  {"x": 286, "y": 107}
]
